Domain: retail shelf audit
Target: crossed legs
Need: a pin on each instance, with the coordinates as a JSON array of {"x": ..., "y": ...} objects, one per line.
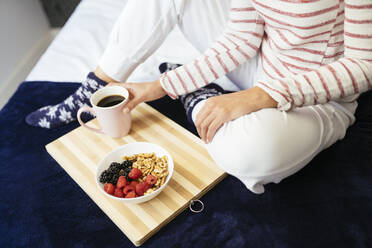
[{"x": 259, "y": 148}]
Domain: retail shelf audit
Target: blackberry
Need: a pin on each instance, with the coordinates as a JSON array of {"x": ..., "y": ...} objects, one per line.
[
  {"x": 113, "y": 170},
  {"x": 111, "y": 175},
  {"x": 114, "y": 178},
  {"x": 114, "y": 165},
  {"x": 127, "y": 163},
  {"x": 105, "y": 177}
]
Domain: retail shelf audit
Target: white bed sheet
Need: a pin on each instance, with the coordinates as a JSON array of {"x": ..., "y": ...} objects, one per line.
[{"x": 78, "y": 46}]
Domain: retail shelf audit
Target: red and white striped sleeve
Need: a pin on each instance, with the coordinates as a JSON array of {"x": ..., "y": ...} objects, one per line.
[
  {"x": 343, "y": 78},
  {"x": 238, "y": 42}
]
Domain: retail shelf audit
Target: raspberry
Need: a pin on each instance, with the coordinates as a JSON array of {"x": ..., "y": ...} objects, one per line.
[
  {"x": 134, "y": 183},
  {"x": 129, "y": 188},
  {"x": 150, "y": 180},
  {"x": 109, "y": 188},
  {"x": 135, "y": 173},
  {"x": 122, "y": 182},
  {"x": 131, "y": 194},
  {"x": 141, "y": 188},
  {"x": 118, "y": 193}
]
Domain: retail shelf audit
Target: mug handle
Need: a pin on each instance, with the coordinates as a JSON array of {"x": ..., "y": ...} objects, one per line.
[{"x": 91, "y": 110}]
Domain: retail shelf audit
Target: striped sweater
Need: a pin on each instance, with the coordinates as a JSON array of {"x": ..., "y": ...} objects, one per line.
[{"x": 312, "y": 51}]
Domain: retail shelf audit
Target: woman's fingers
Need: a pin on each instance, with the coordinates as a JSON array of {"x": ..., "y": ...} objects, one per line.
[
  {"x": 208, "y": 126},
  {"x": 213, "y": 128},
  {"x": 134, "y": 97},
  {"x": 211, "y": 117},
  {"x": 203, "y": 121},
  {"x": 141, "y": 92},
  {"x": 131, "y": 104},
  {"x": 205, "y": 125},
  {"x": 200, "y": 121}
]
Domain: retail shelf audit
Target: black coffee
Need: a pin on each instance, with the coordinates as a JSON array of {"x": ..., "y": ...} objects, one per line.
[{"x": 109, "y": 101}]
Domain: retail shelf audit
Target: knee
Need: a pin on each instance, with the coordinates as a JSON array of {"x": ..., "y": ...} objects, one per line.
[
  {"x": 249, "y": 153},
  {"x": 253, "y": 158},
  {"x": 266, "y": 146}
]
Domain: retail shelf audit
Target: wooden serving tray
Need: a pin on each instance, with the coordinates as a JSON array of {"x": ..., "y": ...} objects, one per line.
[{"x": 80, "y": 151}]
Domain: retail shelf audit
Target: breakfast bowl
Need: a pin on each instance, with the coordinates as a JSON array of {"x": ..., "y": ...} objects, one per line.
[{"x": 130, "y": 150}]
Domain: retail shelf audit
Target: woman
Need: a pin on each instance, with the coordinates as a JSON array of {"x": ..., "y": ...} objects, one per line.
[{"x": 300, "y": 65}]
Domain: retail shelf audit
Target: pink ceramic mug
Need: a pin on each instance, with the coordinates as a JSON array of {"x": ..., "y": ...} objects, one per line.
[{"x": 114, "y": 122}]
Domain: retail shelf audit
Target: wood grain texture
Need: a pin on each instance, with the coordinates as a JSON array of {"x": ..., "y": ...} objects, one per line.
[{"x": 80, "y": 151}]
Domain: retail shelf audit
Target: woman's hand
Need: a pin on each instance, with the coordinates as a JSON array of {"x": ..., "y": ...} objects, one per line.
[
  {"x": 141, "y": 92},
  {"x": 220, "y": 109}
]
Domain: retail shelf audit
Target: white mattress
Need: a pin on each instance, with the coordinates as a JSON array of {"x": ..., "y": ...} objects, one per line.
[{"x": 78, "y": 46}]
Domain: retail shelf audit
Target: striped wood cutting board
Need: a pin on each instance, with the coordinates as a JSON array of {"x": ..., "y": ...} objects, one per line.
[{"x": 80, "y": 151}]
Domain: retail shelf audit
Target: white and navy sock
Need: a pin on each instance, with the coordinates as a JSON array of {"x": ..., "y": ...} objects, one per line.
[
  {"x": 191, "y": 99},
  {"x": 65, "y": 112}
]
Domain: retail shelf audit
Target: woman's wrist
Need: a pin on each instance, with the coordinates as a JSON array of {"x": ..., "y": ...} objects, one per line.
[
  {"x": 265, "y": 99},
  {"x": 159, "y": 88},
  {"x": 261, "y": 99}
]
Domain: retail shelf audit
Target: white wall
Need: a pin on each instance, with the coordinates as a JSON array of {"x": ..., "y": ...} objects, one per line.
[{"x": 23, "y": 25}]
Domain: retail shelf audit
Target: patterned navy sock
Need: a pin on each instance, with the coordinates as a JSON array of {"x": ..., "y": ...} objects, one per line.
[
  {"x": 190, "y": 100},
  {"x": 65, "y": 112}
]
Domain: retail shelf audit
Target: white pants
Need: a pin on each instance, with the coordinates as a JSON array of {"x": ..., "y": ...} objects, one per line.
[{"x": 258, "y": 148}]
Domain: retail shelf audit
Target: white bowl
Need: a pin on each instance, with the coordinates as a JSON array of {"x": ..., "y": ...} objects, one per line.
[{"x": 130, "y": 149}]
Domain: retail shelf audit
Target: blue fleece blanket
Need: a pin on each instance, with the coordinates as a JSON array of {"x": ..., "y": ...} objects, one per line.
[{"x": 327, "y": 204}]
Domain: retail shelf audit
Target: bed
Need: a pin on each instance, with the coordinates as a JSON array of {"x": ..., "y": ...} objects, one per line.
[{"x": 327, "y": 204}]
